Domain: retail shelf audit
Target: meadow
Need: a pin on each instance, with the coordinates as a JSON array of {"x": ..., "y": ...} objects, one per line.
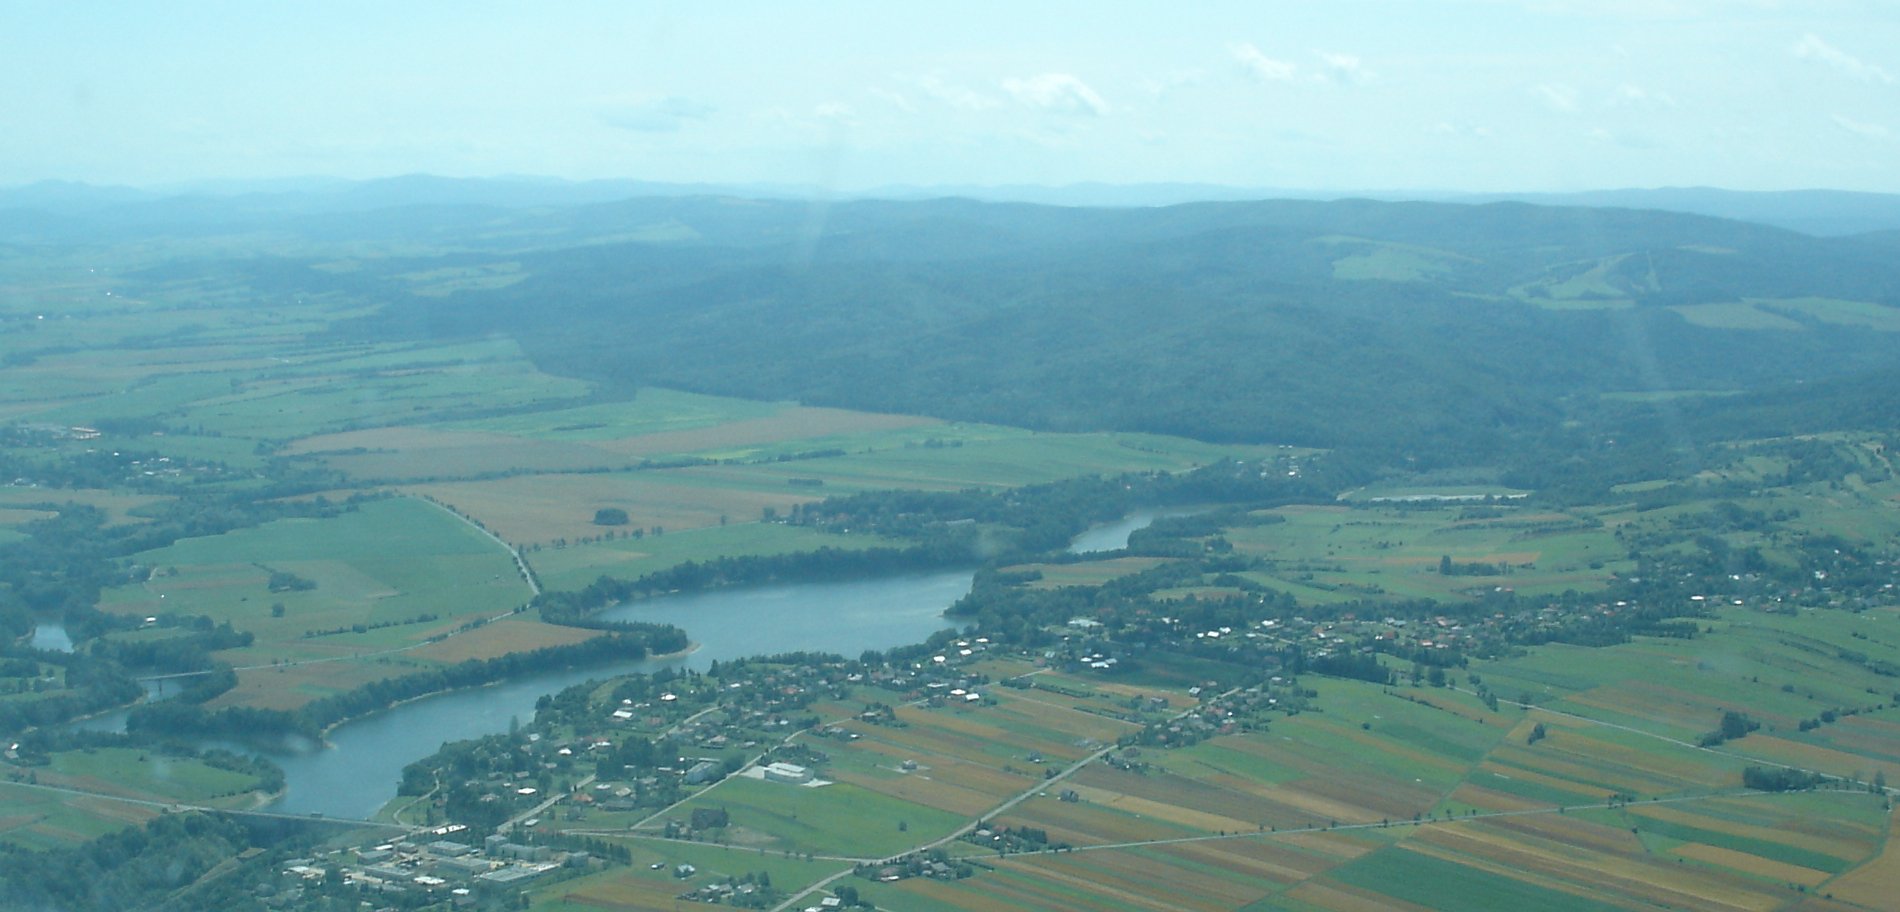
[
  {"x": 1328, "y": 554},
  {"x": 33, "y": 818},
  {"x": 387, "y": 576}
]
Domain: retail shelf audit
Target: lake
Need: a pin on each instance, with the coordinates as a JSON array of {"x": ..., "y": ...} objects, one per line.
[
  {"x": 1113, "y": 536},
  {"x": 51, "y": 635},
  {"x": 357, "y": 772}
]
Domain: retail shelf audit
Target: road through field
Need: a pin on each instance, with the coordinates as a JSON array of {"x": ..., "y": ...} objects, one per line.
[
  {"x": 521, "y": 563},
  {"x": 958, "y": 833}
]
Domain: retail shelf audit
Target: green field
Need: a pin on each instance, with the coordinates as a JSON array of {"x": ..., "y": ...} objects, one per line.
[
  {"x": 38, "y": 820},
  {"x": 42, "y": 819},
  {"x": 1326, "y": 554},
  {"x": 838, "y": 819},
  {"x": 652, "y": 411},
  {"x": 401, "y": 569}
]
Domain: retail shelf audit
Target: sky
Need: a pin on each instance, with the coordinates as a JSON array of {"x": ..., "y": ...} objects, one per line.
[{"x": 1421, "y": 95}]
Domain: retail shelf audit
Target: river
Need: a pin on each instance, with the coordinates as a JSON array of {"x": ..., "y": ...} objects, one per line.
[
  {"x": 1113, "y": 536},
  {"x": 50, "y": 635},
  {"x": 357, "y": 772}
]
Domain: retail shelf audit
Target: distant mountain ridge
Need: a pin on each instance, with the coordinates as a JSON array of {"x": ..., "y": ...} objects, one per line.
[
  {"x": 1428, "y": 332},
  {"x": 1818, "y": 212},
  {"x": 1438, "y": 331}
]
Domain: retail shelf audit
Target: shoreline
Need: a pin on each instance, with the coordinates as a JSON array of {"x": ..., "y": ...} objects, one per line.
[{"x": 323, "y": 736}]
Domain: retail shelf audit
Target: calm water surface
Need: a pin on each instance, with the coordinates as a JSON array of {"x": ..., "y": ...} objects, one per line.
[
  {"x": 51, "y": 636},
  {"x": 1113, "y": 536},
  {"x": 359, "y": 770}
]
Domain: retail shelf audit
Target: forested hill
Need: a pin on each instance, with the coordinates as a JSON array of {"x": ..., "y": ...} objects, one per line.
[{"x": 1440, "y": 330}]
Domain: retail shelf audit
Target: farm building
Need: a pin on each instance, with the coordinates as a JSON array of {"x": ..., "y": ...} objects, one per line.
[
  {"x": 787, "y": 772},
  {"x": 704, "y": 771}
]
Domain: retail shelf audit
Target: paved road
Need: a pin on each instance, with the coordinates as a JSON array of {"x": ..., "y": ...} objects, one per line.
[
  {"x": 538, "y": 809},
  {"x": 521, "y": 565},
  {"x": 958, "y": 833}
]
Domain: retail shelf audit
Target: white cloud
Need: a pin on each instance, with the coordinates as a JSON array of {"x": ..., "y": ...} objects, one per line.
[
  {"x": 1263, "y": 66},
  {"x": 1333, "y": 67},
  {"x": 1057, "y": 92},
  {"x": 834, "y": 110},
  {"x": 1811, "y": 47},
  {"x": 1642, "y": 10},
  {"x": 894, "y": 99},
  {"x": 1447, "y": 128},
  {"x": 1169, "y": 82},
  {"x": 1862, "y": 128},
  {"x": 956, "y": 96},
  {"x": 1626, "y": 139},
  {"x": 1559, "y": 98},
  {"x": 1635, "y": 96},
  {"x": 655, "y": 115},
  {"x": 1344, "y": 68}
]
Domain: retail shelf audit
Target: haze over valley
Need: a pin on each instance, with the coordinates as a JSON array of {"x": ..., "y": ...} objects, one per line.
[{"x": 1382, "y": 456}]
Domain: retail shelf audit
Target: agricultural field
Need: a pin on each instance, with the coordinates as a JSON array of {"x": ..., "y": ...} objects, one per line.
[
  {"x": 580, "y": 563},
  {"x": 1837, "y": 311},
  {"x": 1330, "y": 554},
  {"x": 1735, "y": 315},
  {"x": 651, "y": 881},
  {"x": 1593, "y": 796},
  {"x": 1594, "y": 286},
  {"x": 36, "y": 819},
  {"x": 980, "y": 457},
  {"x": 373, "y": 582},
  {"x": 1790, "y": 314},
  {"x": 1558, "y": 776},
  {"x": 1392, "y": 263},
  {"x": 918, "y": 778},
  {"x": 20, "y": 505},
  {"x": 547, "y": 510},
  {"x": 1084, "y": 573},
  {"x": 41, "y": 818},
  {"x": 390, "y": 560},
  {"x": 141, "y": 772},
  {"x": 181, "y": 394}
]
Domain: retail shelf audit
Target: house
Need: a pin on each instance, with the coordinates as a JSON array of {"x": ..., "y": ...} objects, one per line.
[
  {"x": 704, "y": 771},
  {"x": 787, "y": 772}
]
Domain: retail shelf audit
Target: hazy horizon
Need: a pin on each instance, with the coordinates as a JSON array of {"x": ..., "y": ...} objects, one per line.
[{"x": 1451, "y": 96}]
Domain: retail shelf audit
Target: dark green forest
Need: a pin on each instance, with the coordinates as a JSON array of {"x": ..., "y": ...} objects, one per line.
[{"x": 1487, "y": 328}]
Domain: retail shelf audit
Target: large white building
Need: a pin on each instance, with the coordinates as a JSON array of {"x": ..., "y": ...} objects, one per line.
[{"x": 787, "y": 772}]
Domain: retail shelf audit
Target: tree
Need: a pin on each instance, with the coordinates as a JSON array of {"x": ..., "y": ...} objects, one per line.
[{"x": 611, "y": 516}]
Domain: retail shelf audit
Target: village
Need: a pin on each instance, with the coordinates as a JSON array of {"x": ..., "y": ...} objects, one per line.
[{"x": 693, "y": 758}]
